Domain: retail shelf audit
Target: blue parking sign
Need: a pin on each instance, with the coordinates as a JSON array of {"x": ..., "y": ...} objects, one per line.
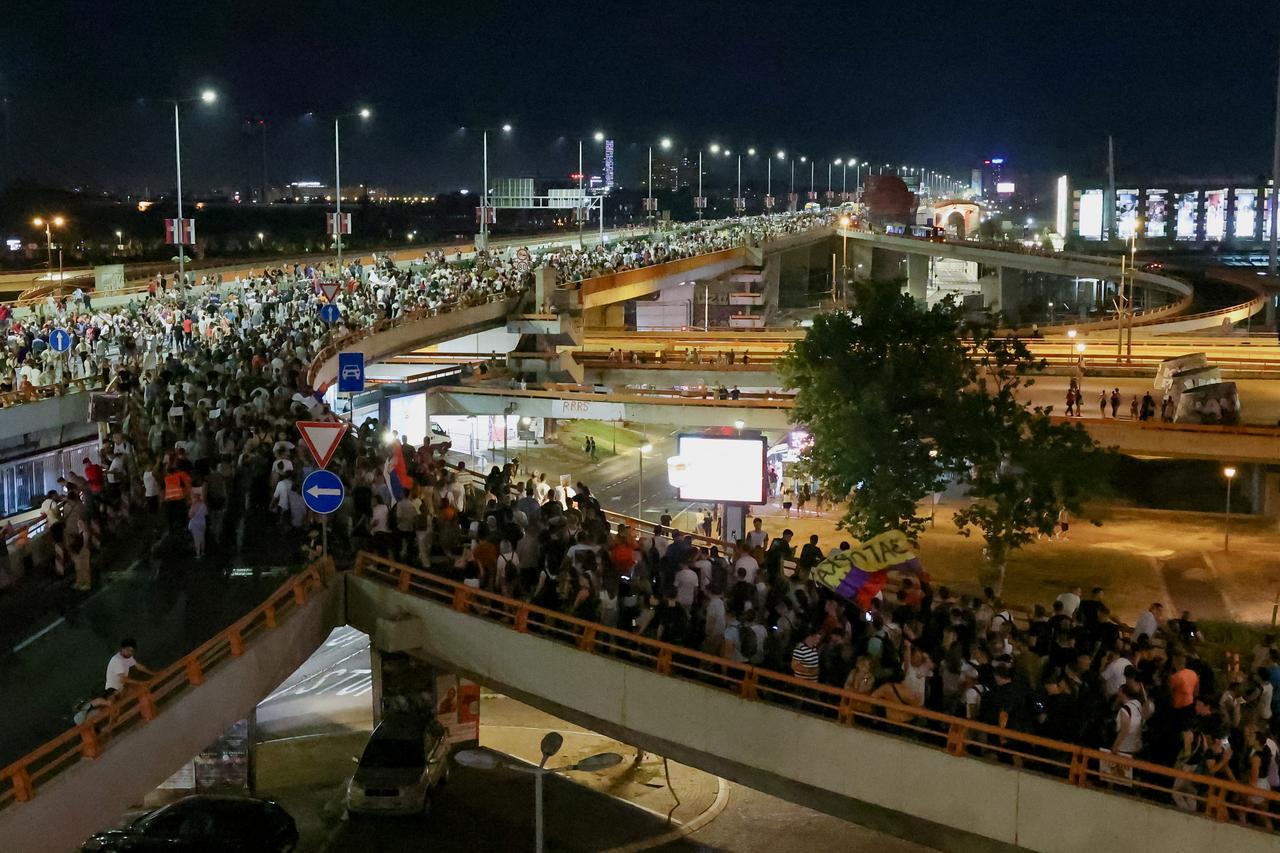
[{"x": 350, "y": 372}]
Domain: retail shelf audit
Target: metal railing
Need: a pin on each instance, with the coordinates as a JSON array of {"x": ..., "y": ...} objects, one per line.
[
  {"x": 1083, "y": 767},
  {"x": 140, "y": 702}
]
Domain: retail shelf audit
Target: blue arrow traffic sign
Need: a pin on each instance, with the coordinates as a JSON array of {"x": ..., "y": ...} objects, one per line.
[
  {"x": 60, "y": 340},
  {"x": 350, "y": 372},
  {"x": 323, "y": 492},
  {"x": 330, "y": 313}
]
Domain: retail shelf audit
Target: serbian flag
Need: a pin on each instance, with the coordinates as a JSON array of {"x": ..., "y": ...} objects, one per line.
[
  {"x": 861, "y": 572},
  {"x": 397, "y": 473}
]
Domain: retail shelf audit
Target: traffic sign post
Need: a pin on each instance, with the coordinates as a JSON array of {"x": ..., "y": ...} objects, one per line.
[
  {"x": 350, "y": 372},
  {"x": 322, "y": 438},
  {"x": 330, "y": 313},
  {"x": 60, "y": 340},
  {"x": 323, "y": 492}
]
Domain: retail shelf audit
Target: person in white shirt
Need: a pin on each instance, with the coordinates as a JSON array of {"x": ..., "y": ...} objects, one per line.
[
  {"x": 1113, "y": 675},
  {"x": 50, "y": 509},
  {"x": 1070, "y": 601},
  {"x": 686, "y": 584},
  {"x": 120, "y": 670},
  {"x": 747, "y": 562},
  {"x": 1149, "y": 622},
  {"x": 757, "y": 537}
]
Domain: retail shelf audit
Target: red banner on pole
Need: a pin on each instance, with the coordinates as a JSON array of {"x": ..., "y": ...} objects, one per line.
[
  {"x": 180, "y": 231},
  {"x": 335, "y": 222}
]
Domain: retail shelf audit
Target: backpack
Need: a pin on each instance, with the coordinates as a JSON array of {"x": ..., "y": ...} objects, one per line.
[{"x": 748, "y": 642}]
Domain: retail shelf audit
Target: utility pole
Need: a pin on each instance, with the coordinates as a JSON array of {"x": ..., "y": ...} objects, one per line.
[{"x": 1109, "y": 203}]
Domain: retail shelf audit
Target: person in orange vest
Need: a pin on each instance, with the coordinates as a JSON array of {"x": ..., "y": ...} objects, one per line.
[{"x": 177, "y": 487}]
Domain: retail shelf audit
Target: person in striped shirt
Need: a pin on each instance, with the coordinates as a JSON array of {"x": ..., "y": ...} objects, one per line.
[{"x": 804, "y": 659}]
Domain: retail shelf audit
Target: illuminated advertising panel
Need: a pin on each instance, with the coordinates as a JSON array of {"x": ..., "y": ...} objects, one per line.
[
  {"x": 719, "y": 468},
  {"x": 1126, "y": 213},
  {"x": 1188, "y": 213},
  {"x": 1062, "y": 206},
  {"x": 409, "y": 417},
  {"x": 1246, "y": 214},
  {"x": 1005, "y": 188},
  {"x": 1157, "y": 214},
  {"x": 1215, "y": 214},
  {"x": 1091, "y": 214}
]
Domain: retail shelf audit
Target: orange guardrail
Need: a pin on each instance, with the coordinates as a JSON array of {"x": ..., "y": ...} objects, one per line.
[
  {"x": 140, "y": 703},
  {"x": 1217, "y": 798},
  {"x": 598, "y": 284}
]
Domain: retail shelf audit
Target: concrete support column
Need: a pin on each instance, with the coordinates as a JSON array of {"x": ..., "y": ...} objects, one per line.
[
  {"x": 918, "y": 277},
  {"x": 861, "y": 257},
  {"x": 1000, "y": 292},
  {"x": 544, "y": 285}
]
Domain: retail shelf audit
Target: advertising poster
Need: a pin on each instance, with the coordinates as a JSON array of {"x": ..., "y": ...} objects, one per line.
[
  {"x": 1126, "y": 213},
  {"x": 1188, "y": 213},
  {"x": 1157, "y": 214},
  {"x": 1091, "y": 214},
  {"x": 1245, "y": 225},
  {"x": 458, "y": 708},
  {"x": 1215, "y": 214}
]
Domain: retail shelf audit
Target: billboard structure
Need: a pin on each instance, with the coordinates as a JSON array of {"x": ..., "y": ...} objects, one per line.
[
  {"x": 1157, "y": 226},
  {"x": 719, "y": 468},
  {"x": 1187, "y": 223},
  {"x": 1126, "y": 213},
  {"x": 1215, "y": 214},
  {"x": 1245, "y": 222},
  {"x": 1091, "y": 214}
]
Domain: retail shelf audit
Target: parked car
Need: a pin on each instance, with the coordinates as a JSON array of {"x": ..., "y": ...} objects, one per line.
[
  {"x": 204, "y": 824},
  {"x": 407, "y": 756}
]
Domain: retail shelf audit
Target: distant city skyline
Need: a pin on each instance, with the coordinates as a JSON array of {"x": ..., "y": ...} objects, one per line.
[{"x": 943, "y": 87}]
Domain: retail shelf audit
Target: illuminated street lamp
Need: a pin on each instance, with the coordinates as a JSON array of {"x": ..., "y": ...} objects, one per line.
[
  {"x": 487, "y": 759},
  {"x": 484, "y": 189},
  {"x": 208, "y": 96},
  {"x": 1230, "y": 473},
  {"x": 363, "y": 114},
  {"x": 664, "y": 144},
  {"x": 48, "y": 223}
]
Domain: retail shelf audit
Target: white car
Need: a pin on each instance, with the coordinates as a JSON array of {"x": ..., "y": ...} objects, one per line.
[
  {"x": 351, "y": 371},
  {"x": 407, "y": 757}
]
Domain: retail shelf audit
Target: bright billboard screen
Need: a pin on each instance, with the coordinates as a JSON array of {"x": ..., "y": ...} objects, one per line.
[
  {"x": 1215, "y": 214},
  {"x": 1157, "y": 213},
  {"x": 1126, "y": 213},
  {"x": 409, "y": 417},
  {"x": 1188, "y": 214},
  {"x": 719, "y": 468},
  {"x": 1091, "y": 214},
  {"x": 1246, "y": 218}
]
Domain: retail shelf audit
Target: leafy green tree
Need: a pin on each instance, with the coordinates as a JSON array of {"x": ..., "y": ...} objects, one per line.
[
  {"x": 873, "y": 389},
  {"x": 898, "y": 402}
]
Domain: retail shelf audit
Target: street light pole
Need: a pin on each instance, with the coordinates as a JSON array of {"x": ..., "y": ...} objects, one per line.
[
  {"x": 581, "y": 197},
  {"x": 177, "y": 156},
  {"x": 484, "y": 191},
  {"x": 1275, "y": 188},
  {"x": 644, "y": 448},
  {"x": 1230, "y": 473},
  {"x": 699, "y": 201},
  {"x": 337, "y": 192}
]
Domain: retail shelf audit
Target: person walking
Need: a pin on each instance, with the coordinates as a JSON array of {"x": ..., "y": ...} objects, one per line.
[
  {"x": 1102, "y": 403},
  {"x": 1071, "y": 401},
  {"x": 1115, "y": 402},
  {"x": 197, "y": 519}
]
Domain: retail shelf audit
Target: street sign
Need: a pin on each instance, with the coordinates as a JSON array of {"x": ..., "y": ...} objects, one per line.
[
  {"x": 323, "y": 492},
  {"x": 322, "y": 438},
  {"x": 350, "y": 372},
  {"x": 328, "y": 289},
  {"x": 330, "y": 313},
  {"x": 60, "y": 340}
]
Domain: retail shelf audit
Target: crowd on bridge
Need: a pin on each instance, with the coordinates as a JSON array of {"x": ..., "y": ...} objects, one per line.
[{"x": 1069, "y": 671}]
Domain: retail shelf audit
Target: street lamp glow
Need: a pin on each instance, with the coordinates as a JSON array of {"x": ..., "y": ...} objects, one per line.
[
  {"x": 839, "y": 161},
  {"x": 665, "y": 142},
  {"x": 714, "y": 148},
  {"x": 739, "y": 424},
  {"x": 844, "y": 222},
  {"x": 208, "y": 96},
  {"x": 1071, "y": 333},
  {"x": 261, "y": 236},
  {"x": 1228, "y": 472},
  {"x": 506, "y": 128},
  {"x": 365, "y": 112},
  {"x": 782, "y": 155},
  {"x": 751, "y": 152},
  {"x": 804, "y": 159},
  {"x": 646, "y": 448},
  {"x": 599, "y": 136}
]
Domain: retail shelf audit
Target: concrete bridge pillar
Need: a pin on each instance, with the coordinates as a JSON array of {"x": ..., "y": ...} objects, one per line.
[
  {"x": 861, "y": 258},
  {"x": 544, "y": 285},
  {"x": 918, "y": 277},
  {"x": 1000, "y": 291}
]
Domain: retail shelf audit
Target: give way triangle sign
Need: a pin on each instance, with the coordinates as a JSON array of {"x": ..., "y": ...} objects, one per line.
[
  {"x": 321, "y": 438},
  {"x": 329, "y": 289}
]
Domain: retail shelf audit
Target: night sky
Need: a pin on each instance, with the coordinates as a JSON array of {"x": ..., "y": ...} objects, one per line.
[{"x": 1186, "y": 87}]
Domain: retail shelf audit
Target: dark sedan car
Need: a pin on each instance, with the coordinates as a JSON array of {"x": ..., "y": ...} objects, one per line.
[{"x": 204, "y": 824}]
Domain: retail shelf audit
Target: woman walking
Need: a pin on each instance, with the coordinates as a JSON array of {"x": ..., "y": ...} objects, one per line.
[{"x": 197, "y": 517}]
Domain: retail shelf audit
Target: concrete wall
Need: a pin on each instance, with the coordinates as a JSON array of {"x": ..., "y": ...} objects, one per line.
[
  {"x": 895, "y": 786},
  {"x": 29, "y": 427},
  {"x": 94, "y": 794},
  {"x": 404, "y": 337}
]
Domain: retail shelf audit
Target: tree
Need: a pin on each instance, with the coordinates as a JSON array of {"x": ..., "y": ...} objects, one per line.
[
  {"x": 889, "y": 200},
  {"x": 897, "y": 402},
  {"x": 1017, "y": 466},
  {"x": 874, "y": 388}
]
